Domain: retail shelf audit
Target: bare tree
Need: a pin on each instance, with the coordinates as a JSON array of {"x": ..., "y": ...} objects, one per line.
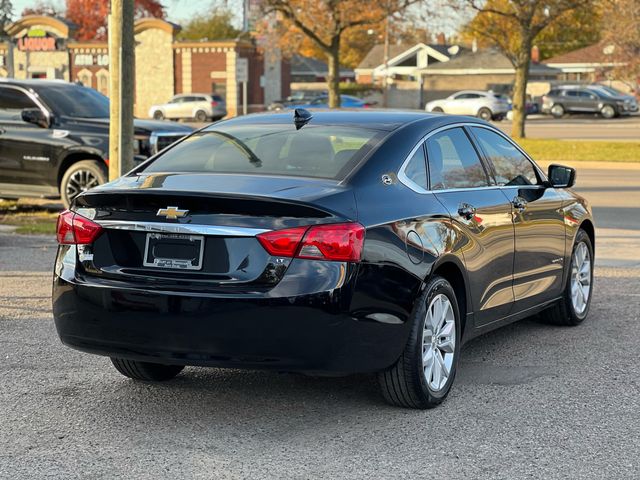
[
  {"x": 512, "y": 26},
  {"x": 326, "y": 21}
]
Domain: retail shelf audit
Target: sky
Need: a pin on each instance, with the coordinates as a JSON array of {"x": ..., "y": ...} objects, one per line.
[{"x": 177, "y": 10}]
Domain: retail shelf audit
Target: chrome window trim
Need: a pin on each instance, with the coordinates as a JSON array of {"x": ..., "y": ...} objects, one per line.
[
  {"x": 407, "y": 182},
  {"x": 153, "y": 139},
  {"x": 182, "y": 228}
]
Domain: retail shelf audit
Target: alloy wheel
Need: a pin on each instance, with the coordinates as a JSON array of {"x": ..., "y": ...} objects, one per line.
[
  {"x": 438, "y": 342},
  {"x": 81, "y": 181},
  {"x": 580, "y": 278}
]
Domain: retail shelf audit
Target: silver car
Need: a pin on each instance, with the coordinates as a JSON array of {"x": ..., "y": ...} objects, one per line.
[
  {"x": 485, "y": 105},
  {"x": 202, "y": 107}
]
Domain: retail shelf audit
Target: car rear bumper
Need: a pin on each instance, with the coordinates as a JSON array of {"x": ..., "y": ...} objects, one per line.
[{"x": 312, "y": 332}]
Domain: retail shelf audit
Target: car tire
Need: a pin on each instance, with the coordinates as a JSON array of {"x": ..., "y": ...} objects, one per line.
[
  {"x": 146, "y": 371},
  {"x": 569, "y": 311},
  {"x": 608, "y": 112},
  {"x": 80, "y": 177},
  {"x": 411, "y": 380},
  {"x": 485, "y": 114},
  {"x": 557, "y": 111},
  {"x": 158, "y": 115},
  {"x": 437, "y": 110},
  {"x": 201, "y": 116}
]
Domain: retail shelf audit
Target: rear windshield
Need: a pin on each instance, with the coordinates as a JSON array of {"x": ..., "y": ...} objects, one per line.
[{"x": 324, "y": 151}]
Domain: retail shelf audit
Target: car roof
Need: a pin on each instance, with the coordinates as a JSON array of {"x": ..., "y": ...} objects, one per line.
[
  {"x": 29, "y": 83},
  {"x": 379, "y": 119},
  {"x": 479, "y": 92}
]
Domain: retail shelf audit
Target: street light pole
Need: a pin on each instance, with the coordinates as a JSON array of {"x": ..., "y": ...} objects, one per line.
[
  {"x": 385, "y": 91},
  {"x": 121, "y": 87}
]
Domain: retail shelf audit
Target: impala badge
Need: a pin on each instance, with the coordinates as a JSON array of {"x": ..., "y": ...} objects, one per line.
[{"x": 172, "y": 213}]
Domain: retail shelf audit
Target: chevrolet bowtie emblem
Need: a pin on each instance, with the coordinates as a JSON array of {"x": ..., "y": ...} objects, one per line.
[{"x": 172, "y": 213}]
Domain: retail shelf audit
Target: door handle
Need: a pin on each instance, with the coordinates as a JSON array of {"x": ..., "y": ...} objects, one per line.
[
  {"x": 519, "y": 203},
  {"x": 466, "y": 211}
]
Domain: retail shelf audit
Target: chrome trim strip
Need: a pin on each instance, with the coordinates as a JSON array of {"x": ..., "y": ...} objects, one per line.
[
  {"x": 402, "y": 177},
  {"x": 185, "y": 228}
]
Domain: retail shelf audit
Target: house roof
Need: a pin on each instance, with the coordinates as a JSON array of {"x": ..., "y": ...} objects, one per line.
[
  {"x": 301, "y": 65},
  {"x": 601, "y": 52},
  {"x": 375, "y": 57},
  {"x": 483, "y": 61}
]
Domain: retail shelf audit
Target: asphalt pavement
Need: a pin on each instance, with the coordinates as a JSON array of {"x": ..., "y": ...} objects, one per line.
[
  {"x": 530, "y": 401},
  {"x": 580, "y": 127}
]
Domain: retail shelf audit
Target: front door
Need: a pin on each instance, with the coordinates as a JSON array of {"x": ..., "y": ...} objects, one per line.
[
  {"x": 483, "y": 216},
  {"x": 25, "y": 149},
  {"x": 538, "y": 219}
]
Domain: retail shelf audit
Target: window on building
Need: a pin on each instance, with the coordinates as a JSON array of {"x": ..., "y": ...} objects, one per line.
[{"x": 103, "y": 82}]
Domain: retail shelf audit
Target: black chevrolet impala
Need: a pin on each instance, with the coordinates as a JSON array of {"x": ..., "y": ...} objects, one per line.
[{"x": 327, "y": 242}]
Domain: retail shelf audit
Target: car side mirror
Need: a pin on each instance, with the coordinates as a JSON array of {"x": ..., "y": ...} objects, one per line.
[
  {"x": 35, "y": 116},
  {"x": 561, "y": 176}
]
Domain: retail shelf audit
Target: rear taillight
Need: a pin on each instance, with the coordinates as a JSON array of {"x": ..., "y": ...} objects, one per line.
[
  {"x": 214, "y": 103},
  {"x": 74, "y": 229},
  {"x": 339, "y": 241}
]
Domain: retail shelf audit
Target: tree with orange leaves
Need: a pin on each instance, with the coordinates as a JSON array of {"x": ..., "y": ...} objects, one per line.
[
  {"x": 326, "y": 22},
  {"x": 90, "y": 16}
]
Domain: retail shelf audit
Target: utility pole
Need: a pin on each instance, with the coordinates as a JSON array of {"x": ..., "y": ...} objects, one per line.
[
  {"x": 385, "y": 91},
  {"x": 121, "y": 87}
]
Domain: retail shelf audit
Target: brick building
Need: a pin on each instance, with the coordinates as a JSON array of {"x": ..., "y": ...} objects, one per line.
[{"x": 44, "y": 47}]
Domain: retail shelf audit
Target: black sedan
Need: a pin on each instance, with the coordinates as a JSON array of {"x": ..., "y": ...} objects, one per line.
[{"x": 330, "y": 242}]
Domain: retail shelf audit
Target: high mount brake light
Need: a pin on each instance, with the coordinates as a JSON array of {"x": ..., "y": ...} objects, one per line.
[
  {"x": 74, "y": 229},
  {"x": 338, "y": 241}
]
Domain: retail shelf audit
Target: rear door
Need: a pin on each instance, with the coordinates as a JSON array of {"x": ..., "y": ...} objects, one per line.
[
  {"x": 537, "y": 216},
  {"x": 482, "y": 214}
]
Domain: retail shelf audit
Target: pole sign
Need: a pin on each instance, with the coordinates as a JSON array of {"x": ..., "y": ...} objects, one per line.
[{"x": 242, "y": 70}]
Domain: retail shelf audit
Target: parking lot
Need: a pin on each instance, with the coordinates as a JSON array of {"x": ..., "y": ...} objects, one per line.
[
  {"x": 531, "y": 400},
  {"x": 587, "y": 127}
]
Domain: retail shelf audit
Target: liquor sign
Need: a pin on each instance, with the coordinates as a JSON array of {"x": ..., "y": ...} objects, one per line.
[
  {"x": 39, "y": 40},
  {"x": 88, "y": 60}
]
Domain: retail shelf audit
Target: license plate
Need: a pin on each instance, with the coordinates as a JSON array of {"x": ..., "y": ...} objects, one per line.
[{"x": 178, "y": 252}]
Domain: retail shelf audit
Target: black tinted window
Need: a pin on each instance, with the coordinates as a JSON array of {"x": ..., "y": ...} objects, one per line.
[
  {"x": 326, "y": 151},
  {"x": 12, "y": 99},
  {"x": 416, "y": 169},
  {"x": 510, "y": 165},
  {"x": 453, "y": 162},
  {"x": 75, "y": 101}
]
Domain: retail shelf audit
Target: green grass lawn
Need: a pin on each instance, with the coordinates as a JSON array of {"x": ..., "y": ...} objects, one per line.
[
  {"x": 581, "y": 150},
  {"x": 27, "y": 218}
]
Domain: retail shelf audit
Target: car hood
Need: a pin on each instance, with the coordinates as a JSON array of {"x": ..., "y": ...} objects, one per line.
[{"x": 142, "y": 127}]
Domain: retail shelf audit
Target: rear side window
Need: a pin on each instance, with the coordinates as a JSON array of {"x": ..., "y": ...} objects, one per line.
[
  {"x": 324, "y": 151},
  {"x": 416, "y": 169},
  {"x": 511, "y": 167},
  {"x": 453, "y": 162}
]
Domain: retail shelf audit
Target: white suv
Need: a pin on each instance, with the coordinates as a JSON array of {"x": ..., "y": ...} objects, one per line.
[
  {"x": 485, "y": 105},
  {"x": 199, "y": 106}
]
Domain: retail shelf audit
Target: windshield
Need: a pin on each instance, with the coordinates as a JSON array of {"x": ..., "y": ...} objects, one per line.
[
  {"x": 324, "y": 151},
  {"x": 75, "y": 101}
]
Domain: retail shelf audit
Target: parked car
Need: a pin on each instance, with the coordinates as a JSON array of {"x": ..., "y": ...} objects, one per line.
[
  {"x": 54, "y": 138},
  {"x": 299, "y": 97},
  {"x": 199, "y": 106},
  {"x": 563, "y": 100},
  {"x": 325, "y": 248},
  {"x": 633, "y": 101},
  {"x": 484, "y": 105},
  {"x": 346, "y": 101}
]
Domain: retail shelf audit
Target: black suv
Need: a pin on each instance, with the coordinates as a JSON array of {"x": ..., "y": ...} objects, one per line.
[
  {"x": 576, "y": 99},
  {"x": 54, "y": 138}
]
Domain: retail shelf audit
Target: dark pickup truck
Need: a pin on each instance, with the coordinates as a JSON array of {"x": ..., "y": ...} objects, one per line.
[{"x": 54, "y": 138}]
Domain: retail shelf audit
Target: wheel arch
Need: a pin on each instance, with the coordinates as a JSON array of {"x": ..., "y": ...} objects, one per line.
[
  {"x": 589, "y": 228},
  {"x": 75, "y": 157},
  {"x": 452, "y": 269}
]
